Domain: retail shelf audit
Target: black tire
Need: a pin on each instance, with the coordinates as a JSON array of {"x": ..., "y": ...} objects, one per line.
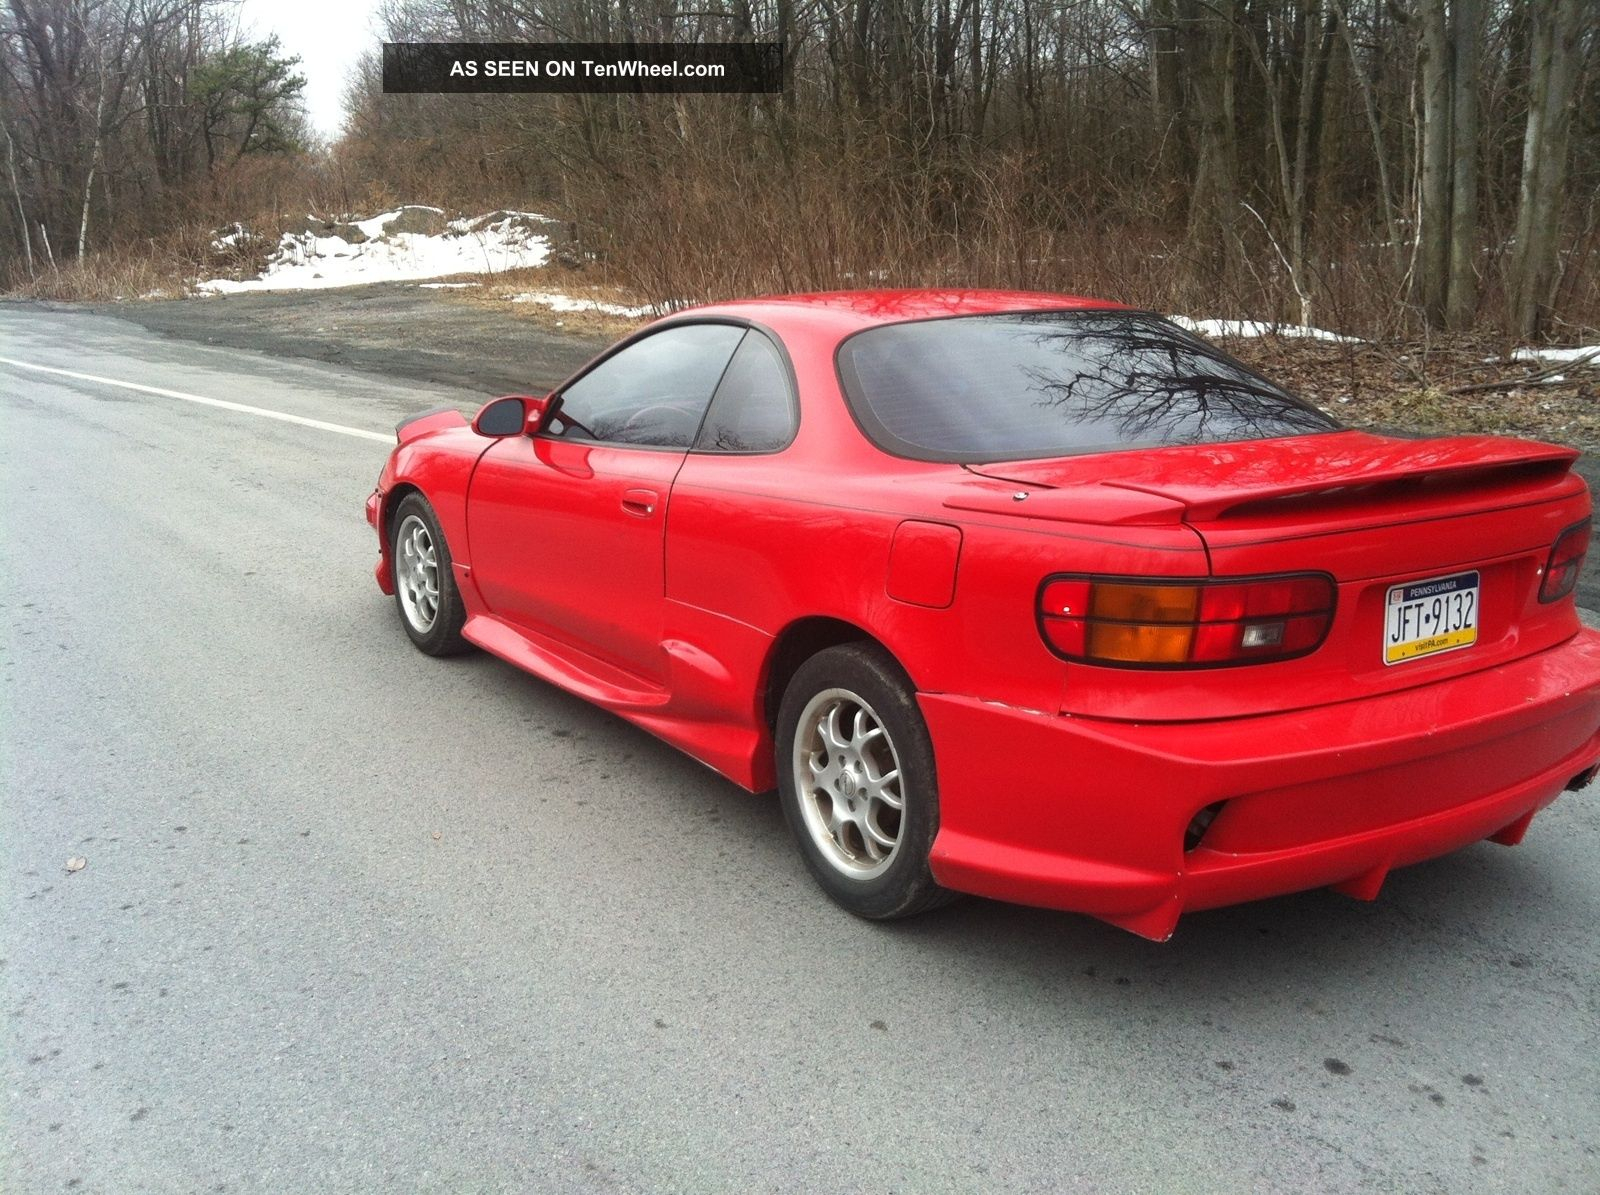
[
  {"x": 900, "y": 883},
  {"x": 440, "y": 636}
]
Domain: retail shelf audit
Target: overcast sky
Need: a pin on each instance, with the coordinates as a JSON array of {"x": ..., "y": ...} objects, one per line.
[{"x": 328, "y": 35}]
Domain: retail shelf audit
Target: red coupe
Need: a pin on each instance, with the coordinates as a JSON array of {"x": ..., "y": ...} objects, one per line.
[{"x": 1023, "y": 595}]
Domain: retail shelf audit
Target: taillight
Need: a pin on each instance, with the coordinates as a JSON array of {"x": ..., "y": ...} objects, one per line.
[
  {"x": 1566, "y": 562},
  {"x": 1185, "y": 624}
]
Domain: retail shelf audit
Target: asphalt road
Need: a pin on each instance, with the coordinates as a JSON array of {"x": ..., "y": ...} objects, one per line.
[{"x": 356, "y": 919}]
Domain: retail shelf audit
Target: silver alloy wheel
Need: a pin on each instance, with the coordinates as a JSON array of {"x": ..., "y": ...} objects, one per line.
[
  {"x": 416, "y": 573},
  {"x": 847, "y": 776}
]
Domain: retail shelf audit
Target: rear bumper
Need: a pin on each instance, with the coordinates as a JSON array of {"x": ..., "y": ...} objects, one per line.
[{"x": 1091, "y": 815}]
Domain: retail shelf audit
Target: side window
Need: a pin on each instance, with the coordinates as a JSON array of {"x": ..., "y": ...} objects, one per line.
[
  {"x": 751, "y": 411},
  {"x": 653, "y": 393}
]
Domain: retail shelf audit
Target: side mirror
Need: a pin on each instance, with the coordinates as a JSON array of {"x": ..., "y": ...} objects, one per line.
[
  {"x": 535, "y": 412},
  {"x": 513, "y": 415}
]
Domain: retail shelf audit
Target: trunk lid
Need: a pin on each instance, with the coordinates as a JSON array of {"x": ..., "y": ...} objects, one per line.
[{"x": 1377, "y": 513}]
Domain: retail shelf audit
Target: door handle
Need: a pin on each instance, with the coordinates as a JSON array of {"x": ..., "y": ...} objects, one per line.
[{"x": 640, "y": 503}]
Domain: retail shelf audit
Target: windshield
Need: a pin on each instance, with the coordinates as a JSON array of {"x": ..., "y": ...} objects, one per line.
[{"x": 1056, "y": 383}]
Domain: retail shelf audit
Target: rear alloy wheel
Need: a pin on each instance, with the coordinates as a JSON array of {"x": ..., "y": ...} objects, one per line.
[
  {"x": 856, "y": 778},
  {"x": 424, "y": 585}
]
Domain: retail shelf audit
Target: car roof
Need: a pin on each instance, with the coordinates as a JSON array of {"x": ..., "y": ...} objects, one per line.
[{"x": 846, "y": 311}]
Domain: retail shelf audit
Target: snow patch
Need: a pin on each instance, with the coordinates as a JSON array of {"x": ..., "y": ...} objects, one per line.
[
  {"x": 1250, "y": 327},
  {"x": 306, "y": 261},
  {"x": 373, "y": 228},
  {"x": 568, "y": 303},
  {"x": 1546, "y": 356},
  {"x": 229, "y": 238},
  {"x": 497, "y": 219},
  {"x": 446, "y": 285}
]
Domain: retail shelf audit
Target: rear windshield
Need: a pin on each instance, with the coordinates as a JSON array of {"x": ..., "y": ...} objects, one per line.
[{"x": 1055, "y": 383}]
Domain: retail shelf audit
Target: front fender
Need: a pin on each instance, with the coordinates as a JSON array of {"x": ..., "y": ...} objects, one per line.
[
  {"x": 436, "y": 419},
  {"x": 437, "y": 464}
]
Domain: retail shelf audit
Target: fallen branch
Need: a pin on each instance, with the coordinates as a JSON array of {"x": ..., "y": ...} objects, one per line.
[
  {"x": 1533, "y": 383},
  {"x": 1554, "y": 375}
]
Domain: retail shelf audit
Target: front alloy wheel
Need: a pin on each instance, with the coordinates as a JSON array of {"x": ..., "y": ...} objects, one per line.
[
  {"x": 416, "y": 574},
  {"x": 424, "y": 585}
]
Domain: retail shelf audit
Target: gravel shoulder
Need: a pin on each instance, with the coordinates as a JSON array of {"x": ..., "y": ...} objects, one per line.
[
  {"x": 399, "y": 330},
  {"x": 405, "y": 332}
]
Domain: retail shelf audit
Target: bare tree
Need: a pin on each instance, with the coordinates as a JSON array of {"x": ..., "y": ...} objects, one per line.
[
  {"x": 1432, "y": 280},
  {"x": 16, "y": 193},
  {"x": 1556, "y": 54},
  {"x": 1466, "y": 38},
  {"x": 100, "y": 93},
  {"x": 1381, "y": 162}
]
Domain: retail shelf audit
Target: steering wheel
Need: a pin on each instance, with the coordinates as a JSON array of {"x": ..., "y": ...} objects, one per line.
[{"x": 657, "y": 415}]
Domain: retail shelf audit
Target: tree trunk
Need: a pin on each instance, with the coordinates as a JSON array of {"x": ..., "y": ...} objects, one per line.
[
  {"x": 1308, "y": 141},
  {"x": 1166, "y": 94},
  {"x": 1214, "y": 199},
  {"x": 1466, "y": 37},
  {"x": 1552, "y": 74},
  {"x": 1380, "y": 151},
  {"x": 16, "y": 192},
  {"x": 1431, "y": 285},
  {"x": 94, "y": 161},
  {"x": 1161, "y": 36}
]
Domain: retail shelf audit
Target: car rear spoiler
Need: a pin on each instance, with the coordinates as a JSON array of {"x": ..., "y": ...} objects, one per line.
[{"x": 1382, "y": 469}]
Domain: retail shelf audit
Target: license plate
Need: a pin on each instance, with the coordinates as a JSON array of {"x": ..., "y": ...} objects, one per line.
[{"x": 1424, "y": 618}]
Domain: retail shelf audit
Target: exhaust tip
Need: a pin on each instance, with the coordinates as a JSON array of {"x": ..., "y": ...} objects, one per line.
[
  {"x": 1199, "y": 824},
  {"x": 1583, "y": 779}
]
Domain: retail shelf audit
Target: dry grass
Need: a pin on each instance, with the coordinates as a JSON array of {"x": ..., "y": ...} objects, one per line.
[
  {"x": 107, "y": 277},
  {"x": 720, "y": 218},
  {"x": 157, "y": 268},
  {"x": 498, "y": 290},
  {"x": 1413, "y": 385},
  {"x": 162, "y": 247}
]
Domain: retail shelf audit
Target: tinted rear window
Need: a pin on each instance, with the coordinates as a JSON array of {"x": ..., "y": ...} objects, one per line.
[{"x": 1056, "y": 383}]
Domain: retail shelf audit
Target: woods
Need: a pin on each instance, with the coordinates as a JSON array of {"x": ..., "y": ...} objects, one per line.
[
  {"x": 116, "y": 115},
  {"x": 1383, "y": 166}
]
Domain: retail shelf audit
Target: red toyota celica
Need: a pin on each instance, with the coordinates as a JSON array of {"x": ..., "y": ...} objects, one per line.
[{"x": 1023, "y": 595}]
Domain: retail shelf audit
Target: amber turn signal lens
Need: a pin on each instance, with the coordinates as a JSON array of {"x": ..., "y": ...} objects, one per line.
[
  {"x": 1140, "y": 643},
  {"x": 1144, "y": 603}
]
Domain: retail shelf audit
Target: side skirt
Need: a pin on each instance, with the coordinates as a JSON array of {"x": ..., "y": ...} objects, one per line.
[{"x": 727, "y": 749}]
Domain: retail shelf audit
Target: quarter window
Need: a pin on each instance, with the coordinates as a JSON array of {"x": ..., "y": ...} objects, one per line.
[
  {"x": 752, "y": 410},
  {"x": 653, "y": 393}
]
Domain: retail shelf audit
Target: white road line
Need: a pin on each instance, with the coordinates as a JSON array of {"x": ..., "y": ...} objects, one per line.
[{"x": 283, "y": 416}]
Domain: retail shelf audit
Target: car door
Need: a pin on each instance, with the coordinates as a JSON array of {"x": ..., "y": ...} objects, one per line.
[
  {"x": 732, "y": 532},
  {"x": 567, "y": 527}
]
